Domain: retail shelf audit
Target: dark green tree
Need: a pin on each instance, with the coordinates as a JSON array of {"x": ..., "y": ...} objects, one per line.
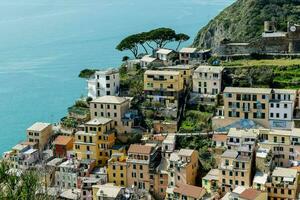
[
  {"x": 181, "y": 37},
  {"x": 130, "y": 43},
  {"x": 161, "y": 36}
]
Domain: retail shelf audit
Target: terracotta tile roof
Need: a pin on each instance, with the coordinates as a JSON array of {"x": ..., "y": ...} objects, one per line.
[
  {"x": 190, "y": 191},
  {"x": 250, "y": 194},
  {"x": 296, "y": 167},
  {"x": 158, "y": 138},
  {"x": 62, "y": 140},
  {"x": 220, "y": 138},
  {"x": 140, "y": 149}
]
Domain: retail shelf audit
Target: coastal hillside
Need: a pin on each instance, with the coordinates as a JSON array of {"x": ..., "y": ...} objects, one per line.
[{"x": 243, "y": 21}]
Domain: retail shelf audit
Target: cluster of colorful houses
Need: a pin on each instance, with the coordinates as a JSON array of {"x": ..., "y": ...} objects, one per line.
[{"x": 255, "y": 140}]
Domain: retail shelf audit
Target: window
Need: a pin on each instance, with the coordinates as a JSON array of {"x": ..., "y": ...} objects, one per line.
[
  {"x": 277, "y": 115},
  {"x": 277, "y": 105},
  {"x": 223, "y": 172},
  {"x": 272, "y": 105},
  {"x": 242, "y": 183},
  {"x": 107, "y": 85},
  {"x": 271, "y": 114},
  {"x": 108, "y": 93},
  {"x": 115, "y": 107},
  {"x": 263, "y": 96},
  {"x": 107, "y": 78},
  {"x": 115, "y": 114},
  {"x": 285, "y": 115},
  {"x": 285, "y": 105},
  {"x": 95, "y": 114},
  {"x": 141, "y": 167}
]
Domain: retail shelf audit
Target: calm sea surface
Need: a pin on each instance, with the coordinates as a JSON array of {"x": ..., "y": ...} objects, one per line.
[{"x": 45, "y": 43}]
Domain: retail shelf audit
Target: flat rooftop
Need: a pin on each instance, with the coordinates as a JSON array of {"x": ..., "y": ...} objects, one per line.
[
  {"x": 246, "y": 90},
  {"x": 99, "y": 121},
  {"x": 38, "y": 126},
  {"x": 161, "y": 72},
  {"x": 207, "y": 69},
  {"x": 110, "y": 100}
]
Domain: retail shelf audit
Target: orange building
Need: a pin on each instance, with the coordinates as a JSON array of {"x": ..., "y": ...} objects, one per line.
[{"x": 62, "y": 144}]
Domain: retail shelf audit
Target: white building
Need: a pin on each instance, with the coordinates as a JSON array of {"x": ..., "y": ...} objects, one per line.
[
  {"x": 281, "y": 108},
  {"x": 207, "y": 84},
  {"x": 147, "y": 60},
  {"x": 165, "y": 55},
  {"x": 104, "y": 83},
  {"x": 168, "y": 145},
  {"x": 66, "y": 177}
]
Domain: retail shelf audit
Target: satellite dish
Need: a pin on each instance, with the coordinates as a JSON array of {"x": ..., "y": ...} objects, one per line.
[{"x": 293, "y": 28}]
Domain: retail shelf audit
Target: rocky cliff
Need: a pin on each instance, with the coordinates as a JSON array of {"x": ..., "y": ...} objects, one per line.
[{"x": 243, "y": 21}]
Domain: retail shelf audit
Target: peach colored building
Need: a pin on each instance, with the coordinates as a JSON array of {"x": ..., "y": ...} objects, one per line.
[
  {"x": 183, "y": 167},
  {"x": 141, "y": 162}
]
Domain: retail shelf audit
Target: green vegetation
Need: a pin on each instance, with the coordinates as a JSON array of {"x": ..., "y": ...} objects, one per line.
[
  {"x": 272, "y": 76},
  {"x": 197, "y": 118},
  {"x": 69, "y": 122},
  {"x": 203, "y": 145},
  {"x": 87, "y": 73},
  {"x": 22, "y": 186},
  {"x": 195, "y": 121},
  {"x": 132, "y": 81},
  {"x": 157, "y": 38},
  {"x": 243, "y": 21},
  {"x": 263, "y": 62}
]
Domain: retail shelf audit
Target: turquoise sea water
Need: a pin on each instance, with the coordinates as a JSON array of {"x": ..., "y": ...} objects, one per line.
[{"x": 45, "y": 43}]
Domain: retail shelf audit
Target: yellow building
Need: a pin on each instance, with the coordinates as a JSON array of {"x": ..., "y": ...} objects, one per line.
[
  {"x": 283, "y": 184},
  {"x": 163, "y": 86},
  {"x": 279, "y": 143},
  {"x": 39, "y": 133},
  {"x": 117, "y": 169},
  {"x": 270, "y": 108},
  {"x": 186, "y": 70},
  {"x": 210, "y": 181},
  {"x": 247, "y": 103},
  {"x": 96, "y": 141}
]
